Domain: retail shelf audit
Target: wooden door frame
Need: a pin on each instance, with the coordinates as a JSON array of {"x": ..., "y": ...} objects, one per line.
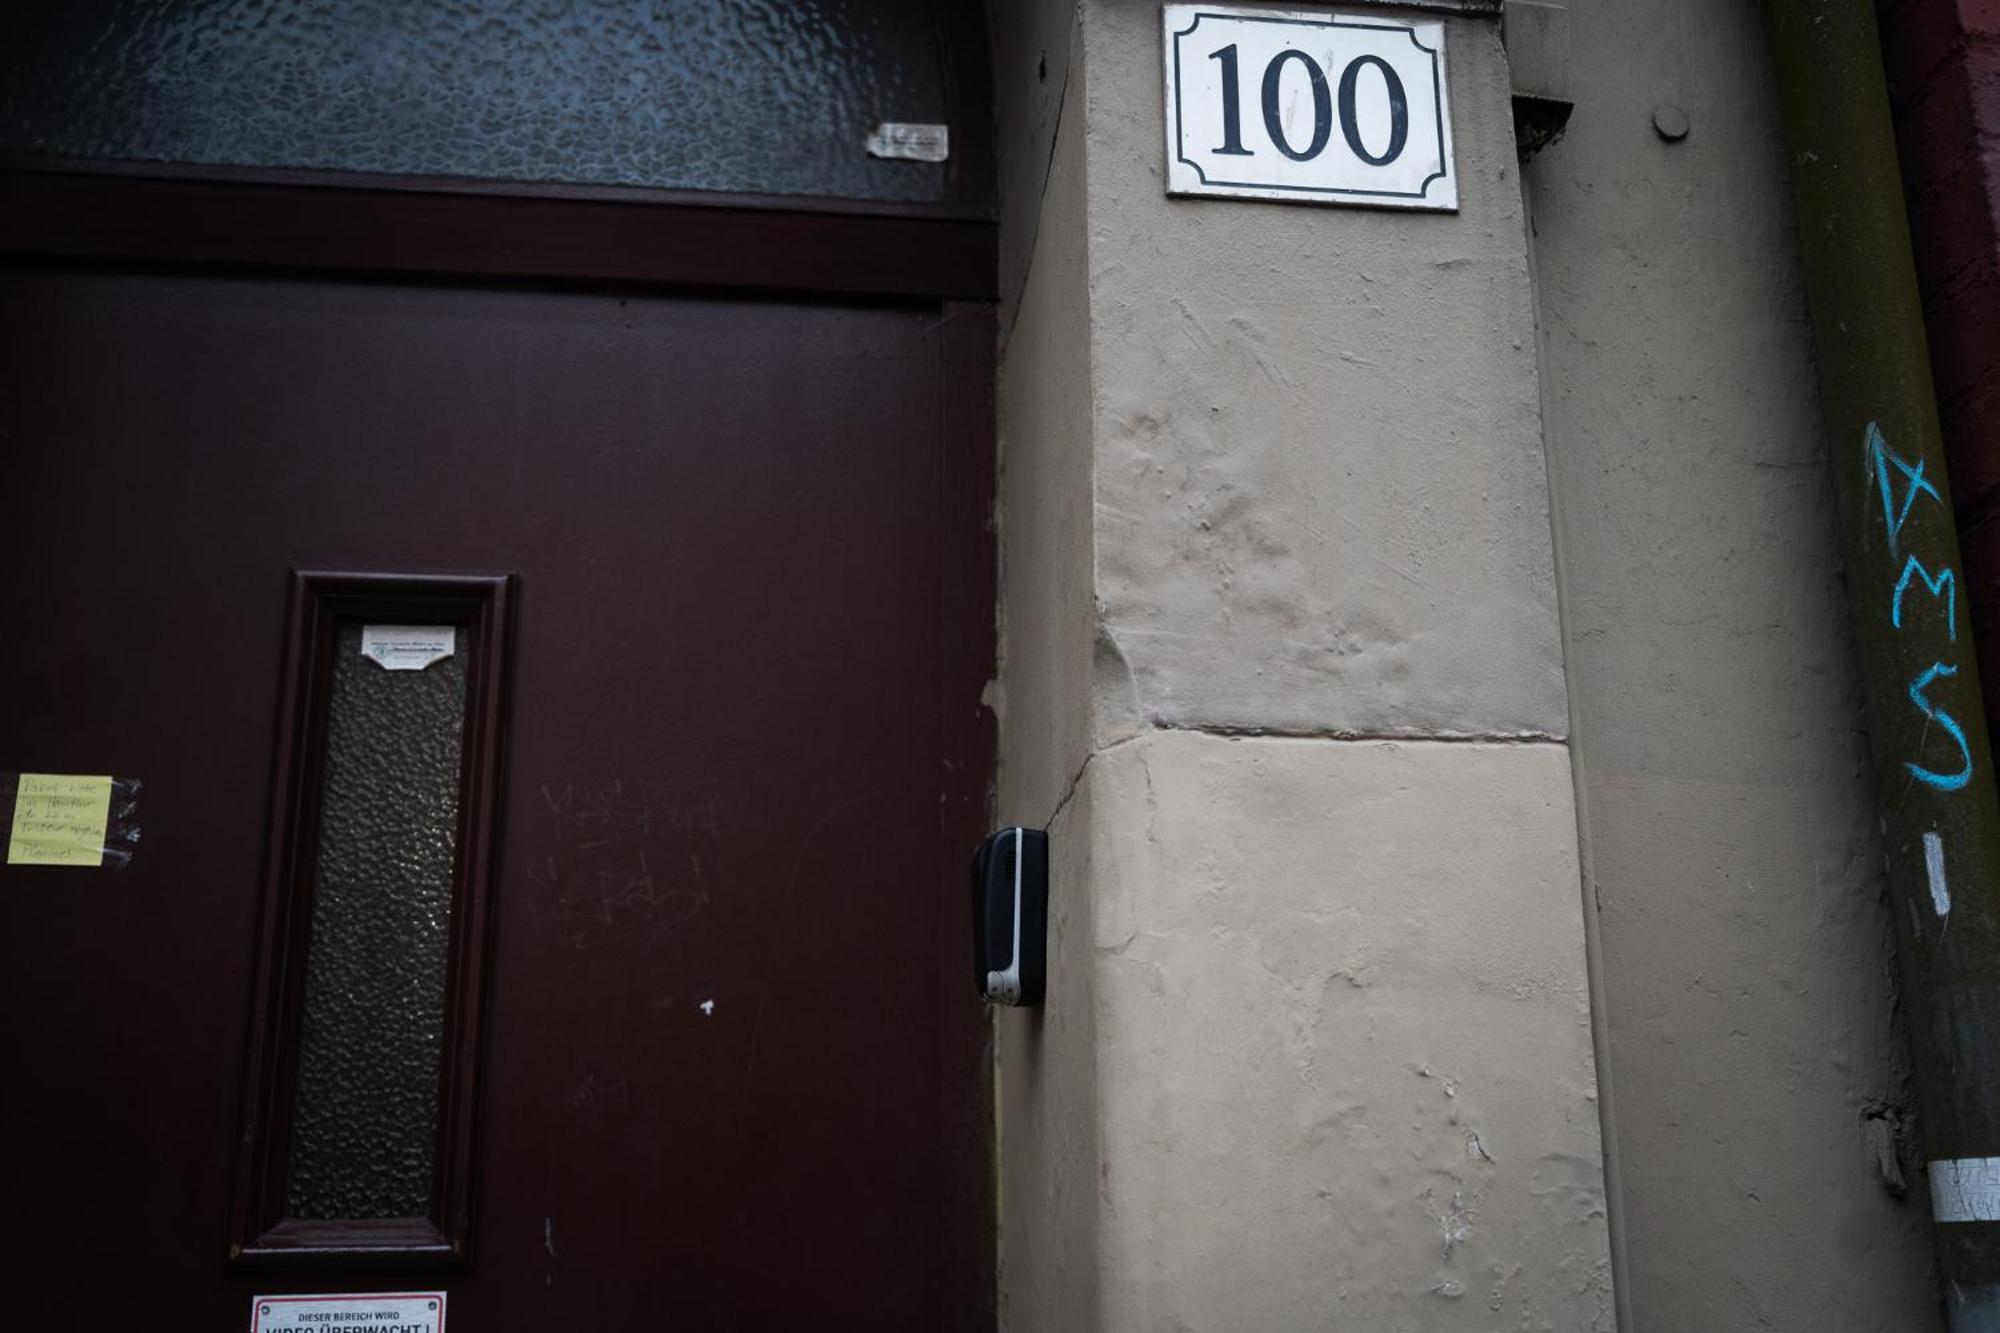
[{"x": 415, "y": 227}]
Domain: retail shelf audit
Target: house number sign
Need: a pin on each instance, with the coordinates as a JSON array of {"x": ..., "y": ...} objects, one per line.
[{"x": 1323, "y": 107}]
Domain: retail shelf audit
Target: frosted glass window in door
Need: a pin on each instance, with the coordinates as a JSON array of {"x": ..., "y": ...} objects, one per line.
[
  {"x": 364, "y": 1124},
  {"x": 758, "y": 96}
]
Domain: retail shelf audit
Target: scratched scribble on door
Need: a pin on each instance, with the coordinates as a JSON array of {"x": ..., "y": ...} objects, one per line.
[{"x": 620, "y": 859}]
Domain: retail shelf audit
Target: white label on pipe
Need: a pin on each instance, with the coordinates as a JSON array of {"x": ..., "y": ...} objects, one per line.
[
  {"x": 1966, "y": 1190},
  {"x": 1934, "y": 872}
]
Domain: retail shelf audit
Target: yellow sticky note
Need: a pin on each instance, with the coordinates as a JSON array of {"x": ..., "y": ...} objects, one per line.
[{"x": 59, "y": 820}]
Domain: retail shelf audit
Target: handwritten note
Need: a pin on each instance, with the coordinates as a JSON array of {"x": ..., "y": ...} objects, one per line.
[{"x": 59, "y": 820}]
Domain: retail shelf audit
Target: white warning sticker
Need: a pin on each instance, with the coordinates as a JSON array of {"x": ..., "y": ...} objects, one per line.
[
  {"x": 1966, "y": 1190},
  {"x": 408, "y": 647},
  {"x": 351, "y": 1312}
]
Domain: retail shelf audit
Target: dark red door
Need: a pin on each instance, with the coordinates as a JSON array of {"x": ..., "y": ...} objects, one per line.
[{"x": 731, "y": 1076}]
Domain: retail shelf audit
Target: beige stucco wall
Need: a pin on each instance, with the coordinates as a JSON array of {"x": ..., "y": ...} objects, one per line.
[
  {"x": 1282, "y": 670},
  {"x": 1321, "y": 503},
  {"x": 1344, "y": 1073},
  {"x": 1047, "y": 1058},
  {"x": 1746, "y": 955}
]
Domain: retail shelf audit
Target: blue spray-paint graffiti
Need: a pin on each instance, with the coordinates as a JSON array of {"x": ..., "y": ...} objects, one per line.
[
  {"x": 1890, "y": 472},
  {"x": 1942, "y": 781},
  {"x": 1941, "y": 586},
  {"x": 1881, "y": 460}
]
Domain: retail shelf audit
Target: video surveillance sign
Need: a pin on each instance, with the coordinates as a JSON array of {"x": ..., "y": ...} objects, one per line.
[{"x": 1322, "y": 107}]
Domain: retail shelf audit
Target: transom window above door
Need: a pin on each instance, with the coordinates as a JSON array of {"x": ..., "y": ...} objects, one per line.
[{"x": 767, "y": 97}]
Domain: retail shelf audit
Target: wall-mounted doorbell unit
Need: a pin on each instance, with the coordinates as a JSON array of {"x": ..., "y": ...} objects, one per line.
[{"x": 1010, "y": 917}]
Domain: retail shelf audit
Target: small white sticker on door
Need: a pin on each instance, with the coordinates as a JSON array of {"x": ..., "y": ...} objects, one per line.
[
  {"x": 408, "y": 647},
  {"x": 910, "y": 143},
  {"x": 351, "y": 1312}
]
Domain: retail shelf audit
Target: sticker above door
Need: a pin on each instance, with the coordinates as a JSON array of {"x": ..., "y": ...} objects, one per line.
[{"x": 1323, "y": 107}]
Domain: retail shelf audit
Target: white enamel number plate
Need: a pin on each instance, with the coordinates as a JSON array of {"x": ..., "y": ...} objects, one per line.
[{"x": 1323, "y": 107}]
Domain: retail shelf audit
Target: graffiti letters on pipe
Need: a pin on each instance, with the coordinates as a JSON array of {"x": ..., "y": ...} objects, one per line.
[{"x": 1924, "y": 597}]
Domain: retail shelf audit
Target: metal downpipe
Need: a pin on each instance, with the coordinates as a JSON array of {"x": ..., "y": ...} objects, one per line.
[{"x": 1934, "y": 781}]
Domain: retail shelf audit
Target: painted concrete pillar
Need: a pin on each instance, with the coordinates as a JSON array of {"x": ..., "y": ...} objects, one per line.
[{"x": 1282, "y": 671}]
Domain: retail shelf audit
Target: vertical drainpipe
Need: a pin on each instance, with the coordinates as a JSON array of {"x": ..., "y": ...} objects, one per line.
[{"x": 1934, "y": 782}]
